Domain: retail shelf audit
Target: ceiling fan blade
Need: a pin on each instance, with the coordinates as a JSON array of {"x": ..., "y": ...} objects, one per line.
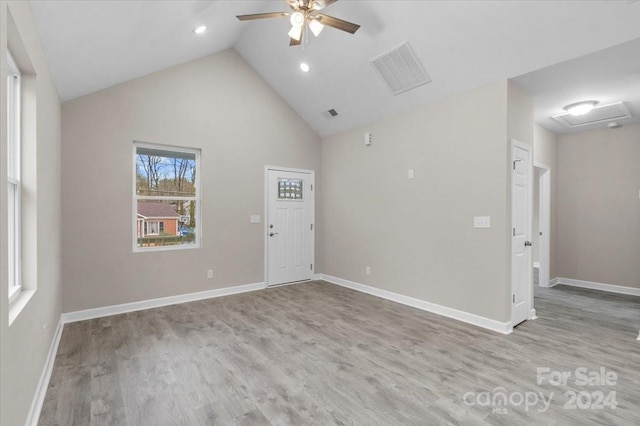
[
  {"x": 321, "y": 4},
  {"x": 339, "y": 24},
  {"x": 262, "y": 16}
]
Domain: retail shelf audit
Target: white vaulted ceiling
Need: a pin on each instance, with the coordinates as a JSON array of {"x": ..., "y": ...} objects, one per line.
[{"x": 91, "y": 45}]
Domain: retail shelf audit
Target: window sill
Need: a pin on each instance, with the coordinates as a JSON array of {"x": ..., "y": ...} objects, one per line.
[
  {"x": 165, "y": 248},
  {"x": 18, "y": 305}
]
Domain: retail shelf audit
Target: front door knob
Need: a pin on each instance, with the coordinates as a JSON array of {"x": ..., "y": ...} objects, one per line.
[
  {"x": 272, "y": 234},
  {"x": 528, "y": 243}
]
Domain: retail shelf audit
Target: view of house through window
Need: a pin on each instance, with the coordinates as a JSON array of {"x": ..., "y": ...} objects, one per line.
[{"x": 166, "y": 197}]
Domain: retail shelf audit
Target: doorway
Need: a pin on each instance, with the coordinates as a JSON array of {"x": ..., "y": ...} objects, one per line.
[
  {"x": 542, "y": 224},
  {"x": 289, "y": 225}
]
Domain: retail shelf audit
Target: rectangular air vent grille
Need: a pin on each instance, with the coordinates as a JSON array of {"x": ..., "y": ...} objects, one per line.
[
  {"x": 401, "y": 69},
  {"x": 330, "y": 114},
  {"x": 599, "y": 114}
]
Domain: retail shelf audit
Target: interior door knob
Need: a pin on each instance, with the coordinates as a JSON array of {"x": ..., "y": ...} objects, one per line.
[
  {"x": 528, "y": 243},
  {"x": 272, "y": 234}
]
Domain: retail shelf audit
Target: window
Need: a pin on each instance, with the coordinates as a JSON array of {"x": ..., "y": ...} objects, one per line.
[
  {"x": 290, "y": 189},
  {"x": 14, "y": 233},
  {"x": 153, "y": 228},
  {"x": 166, "y": 197}
]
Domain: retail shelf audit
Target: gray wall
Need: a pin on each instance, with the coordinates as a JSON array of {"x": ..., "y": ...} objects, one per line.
[
  {"x": 217, "y": 103},
  {"x": 24, "y": 344},
  {"x": 599, "y": 206},
  {"x": 546, "y": 152},
  {"x": 417, "y": 235}
]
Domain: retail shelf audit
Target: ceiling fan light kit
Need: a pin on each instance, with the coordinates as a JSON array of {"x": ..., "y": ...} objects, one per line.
[
  {"x": 306, "y": 13},
  {"x": 316, "y": 27},
  {"x": 295, "y": 33}
]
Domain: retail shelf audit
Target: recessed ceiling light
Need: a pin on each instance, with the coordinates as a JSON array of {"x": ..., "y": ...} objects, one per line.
[
  {"x": 199, "y": 30},
  {"x": 304, "y": 67},
  {"x": 580, "y": 108}
]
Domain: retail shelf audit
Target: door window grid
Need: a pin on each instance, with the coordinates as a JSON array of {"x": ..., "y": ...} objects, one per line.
[{"x": 290, "y": 189}]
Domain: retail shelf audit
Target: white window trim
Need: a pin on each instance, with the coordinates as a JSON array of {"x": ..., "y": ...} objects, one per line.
[
  {"x": 14, "y": 122},
  {"x": 196, "y": 199}
]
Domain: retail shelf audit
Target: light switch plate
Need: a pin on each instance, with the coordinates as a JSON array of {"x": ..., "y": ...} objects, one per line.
[
  {"x": 410, "y": 174},
  {"x": 482, "y": 221},
  {"x": 254, "y": 218}
]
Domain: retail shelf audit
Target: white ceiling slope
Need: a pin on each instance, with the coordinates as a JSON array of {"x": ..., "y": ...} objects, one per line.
[{"x": 93, "y": 44}]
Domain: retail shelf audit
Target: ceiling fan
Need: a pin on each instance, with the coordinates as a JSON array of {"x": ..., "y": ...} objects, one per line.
[{"x": 303, "y": 13}]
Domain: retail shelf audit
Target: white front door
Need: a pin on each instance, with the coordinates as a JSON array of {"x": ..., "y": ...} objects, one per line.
[
  {"x": 521, "y": 197},
  {"x": 289, "y": 226}
]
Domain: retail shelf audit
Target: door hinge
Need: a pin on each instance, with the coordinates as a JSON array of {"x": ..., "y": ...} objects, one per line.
[
  {"x": 312, "y": 226},
  {"x": 516, "y": 161},
  {"x": 312, "y": 187},
  {"x": 311, "y": 267},
  {"x": 514, "y": 298},
  {"x": 514, "y": 232}
]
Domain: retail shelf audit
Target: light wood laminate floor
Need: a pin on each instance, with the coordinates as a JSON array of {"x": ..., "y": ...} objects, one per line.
[{"x": 317, "y": 353}]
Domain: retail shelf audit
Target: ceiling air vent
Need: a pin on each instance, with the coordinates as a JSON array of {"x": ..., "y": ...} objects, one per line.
[
  {"x": 330, "y": 114},
  {"x": 599, "y": 114},
  {"x": 401, "y": 69}
]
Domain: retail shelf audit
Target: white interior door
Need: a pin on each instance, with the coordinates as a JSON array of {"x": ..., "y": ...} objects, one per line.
[
  {"x": 521, "y": 198},
  {"x": 289, "y": 226}
]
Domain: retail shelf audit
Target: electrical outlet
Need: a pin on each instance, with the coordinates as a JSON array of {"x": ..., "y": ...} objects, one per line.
[
  {"x": 367, "y": 269},
  {"x": 209, "y": 273}
]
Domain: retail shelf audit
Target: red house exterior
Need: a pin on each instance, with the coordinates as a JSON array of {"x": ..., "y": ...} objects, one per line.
[{"x": 156, "y": 219}]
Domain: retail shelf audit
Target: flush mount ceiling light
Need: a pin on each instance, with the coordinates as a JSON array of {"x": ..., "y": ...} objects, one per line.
[
  {"x": 304, "y": 67},
  {"x": 306, "y": 13},
  {"x": 200, "y": 30},
  {"x": 600, "y": 114},
  {"x": 580, "y": 108}
]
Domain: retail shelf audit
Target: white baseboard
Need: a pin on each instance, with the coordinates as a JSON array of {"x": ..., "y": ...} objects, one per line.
[
  {"x": 633, "y": 291},
  {"x": 107, "y": 311},
  {"x": 553, "y": 282},
  {"x": 500, "y": 327},
  {"x": 532, "y": 314},
  {"x": 43, "y": 383}
]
